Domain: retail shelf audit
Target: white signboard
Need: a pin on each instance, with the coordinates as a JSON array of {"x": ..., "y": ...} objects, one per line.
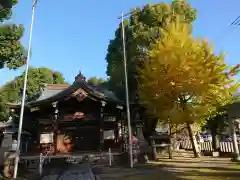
[
  {"x": 108, "y": 134},
  {"x": 46, "y": 138}
]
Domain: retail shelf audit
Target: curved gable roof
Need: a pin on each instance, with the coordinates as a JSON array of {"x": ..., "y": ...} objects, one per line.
[{"x": 53, "y": 93}]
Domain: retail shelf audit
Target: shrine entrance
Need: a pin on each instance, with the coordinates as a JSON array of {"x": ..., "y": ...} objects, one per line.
[
  {"x": 84, "y": 139},
  {"x": 87, "y": 138}
]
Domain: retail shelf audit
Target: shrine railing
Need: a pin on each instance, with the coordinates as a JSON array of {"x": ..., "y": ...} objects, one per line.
[{"x": 225, "y": 147}]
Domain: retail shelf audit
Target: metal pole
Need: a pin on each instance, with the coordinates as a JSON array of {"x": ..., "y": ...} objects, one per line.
[
  {"x": 127, "y": 96},
  {"x": 24, "y": 92}
]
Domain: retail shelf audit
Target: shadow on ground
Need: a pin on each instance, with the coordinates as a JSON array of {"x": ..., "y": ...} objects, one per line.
[{"x": 179, "y": 168}]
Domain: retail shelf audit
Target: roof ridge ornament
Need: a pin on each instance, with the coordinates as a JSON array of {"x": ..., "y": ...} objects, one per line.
[{"x": 80, "y": 77}]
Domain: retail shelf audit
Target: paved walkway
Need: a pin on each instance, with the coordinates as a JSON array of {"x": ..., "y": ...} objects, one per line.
[{"x": 72, "y": 172}]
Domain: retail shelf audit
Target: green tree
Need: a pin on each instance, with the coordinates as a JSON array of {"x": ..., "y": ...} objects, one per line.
[
  {"x": 3, "y": 109},
  {"x": 12, "y": 53},
  {"x": 183, "y": 81},
  {"x": 37, "y": 78},
  {"x": 6, "y": 8},
  {"x": 142, "y": 30},
  {"x": 96, "y": 81}
]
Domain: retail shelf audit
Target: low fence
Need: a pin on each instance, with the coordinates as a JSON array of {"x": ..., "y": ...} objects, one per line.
[{"x": 225, "y": 147}]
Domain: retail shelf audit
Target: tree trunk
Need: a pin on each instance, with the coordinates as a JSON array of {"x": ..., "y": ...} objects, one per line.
[
  {"x": 170, "y": 147},
  {"x": 215, "y": 140},
  {"x": 193, "y": 141}
]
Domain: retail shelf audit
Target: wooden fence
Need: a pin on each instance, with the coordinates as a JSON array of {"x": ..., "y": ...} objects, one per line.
[{"x": 226, "y": 147}]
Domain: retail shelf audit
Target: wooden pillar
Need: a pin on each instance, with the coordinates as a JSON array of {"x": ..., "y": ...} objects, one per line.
[
  {"x": 101, "y": 124},
  {"x": 125, "y": 134},
  {"x": 55, "y": 127},
  {"x": 116, "y": 127},
  {"x": 122, "y": 131},
  {"x": 118, "y": 123}
]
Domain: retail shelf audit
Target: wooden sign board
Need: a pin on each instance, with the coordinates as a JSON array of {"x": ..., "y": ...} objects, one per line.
[
  {"x": 34, "y": 109},
  {"x": 109, "y": 118}
]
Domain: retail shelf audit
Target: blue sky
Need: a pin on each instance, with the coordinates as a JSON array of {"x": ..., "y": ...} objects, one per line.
[{"x": 69, "y": 37}]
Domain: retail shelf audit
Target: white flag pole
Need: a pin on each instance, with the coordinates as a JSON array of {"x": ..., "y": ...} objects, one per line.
[
  {"x": 127, "y": 95},
  {"x": 24, "y": 92}
]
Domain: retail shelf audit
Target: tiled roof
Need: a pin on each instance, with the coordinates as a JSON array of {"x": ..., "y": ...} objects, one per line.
[
  {"x": 52, "y": 89},
  {"x": 56, "y": 86},
  {"x": 104, "y": 89}
]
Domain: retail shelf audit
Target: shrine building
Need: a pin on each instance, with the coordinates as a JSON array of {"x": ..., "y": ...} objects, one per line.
[{"x": 76, "y": 118}]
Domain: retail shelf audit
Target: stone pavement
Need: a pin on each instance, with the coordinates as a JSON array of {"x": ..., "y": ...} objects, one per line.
[{"x": 72, "y": 172}]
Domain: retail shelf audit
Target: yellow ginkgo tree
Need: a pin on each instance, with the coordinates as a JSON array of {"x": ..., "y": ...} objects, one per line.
[{"x": 182, "y": 80}]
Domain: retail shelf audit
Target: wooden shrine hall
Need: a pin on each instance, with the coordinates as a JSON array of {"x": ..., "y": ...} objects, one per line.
[{"x": 76, "y": 118}]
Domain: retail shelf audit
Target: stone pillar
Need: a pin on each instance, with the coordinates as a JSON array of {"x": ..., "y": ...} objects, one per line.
[
  {"x": 143, "y": 144},
  {"x": 142, "y": 141},
  {"x": 9, "y": 164},
  {"x": 154, "y": 149},
  {"x": 232, "y": 124}
]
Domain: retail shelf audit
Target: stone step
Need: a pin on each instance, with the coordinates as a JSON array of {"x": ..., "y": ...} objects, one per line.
[{"x": 50, "y": 177}]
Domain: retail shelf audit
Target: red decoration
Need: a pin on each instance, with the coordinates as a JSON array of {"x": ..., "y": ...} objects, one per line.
[{"x": 77, "y": 115}]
